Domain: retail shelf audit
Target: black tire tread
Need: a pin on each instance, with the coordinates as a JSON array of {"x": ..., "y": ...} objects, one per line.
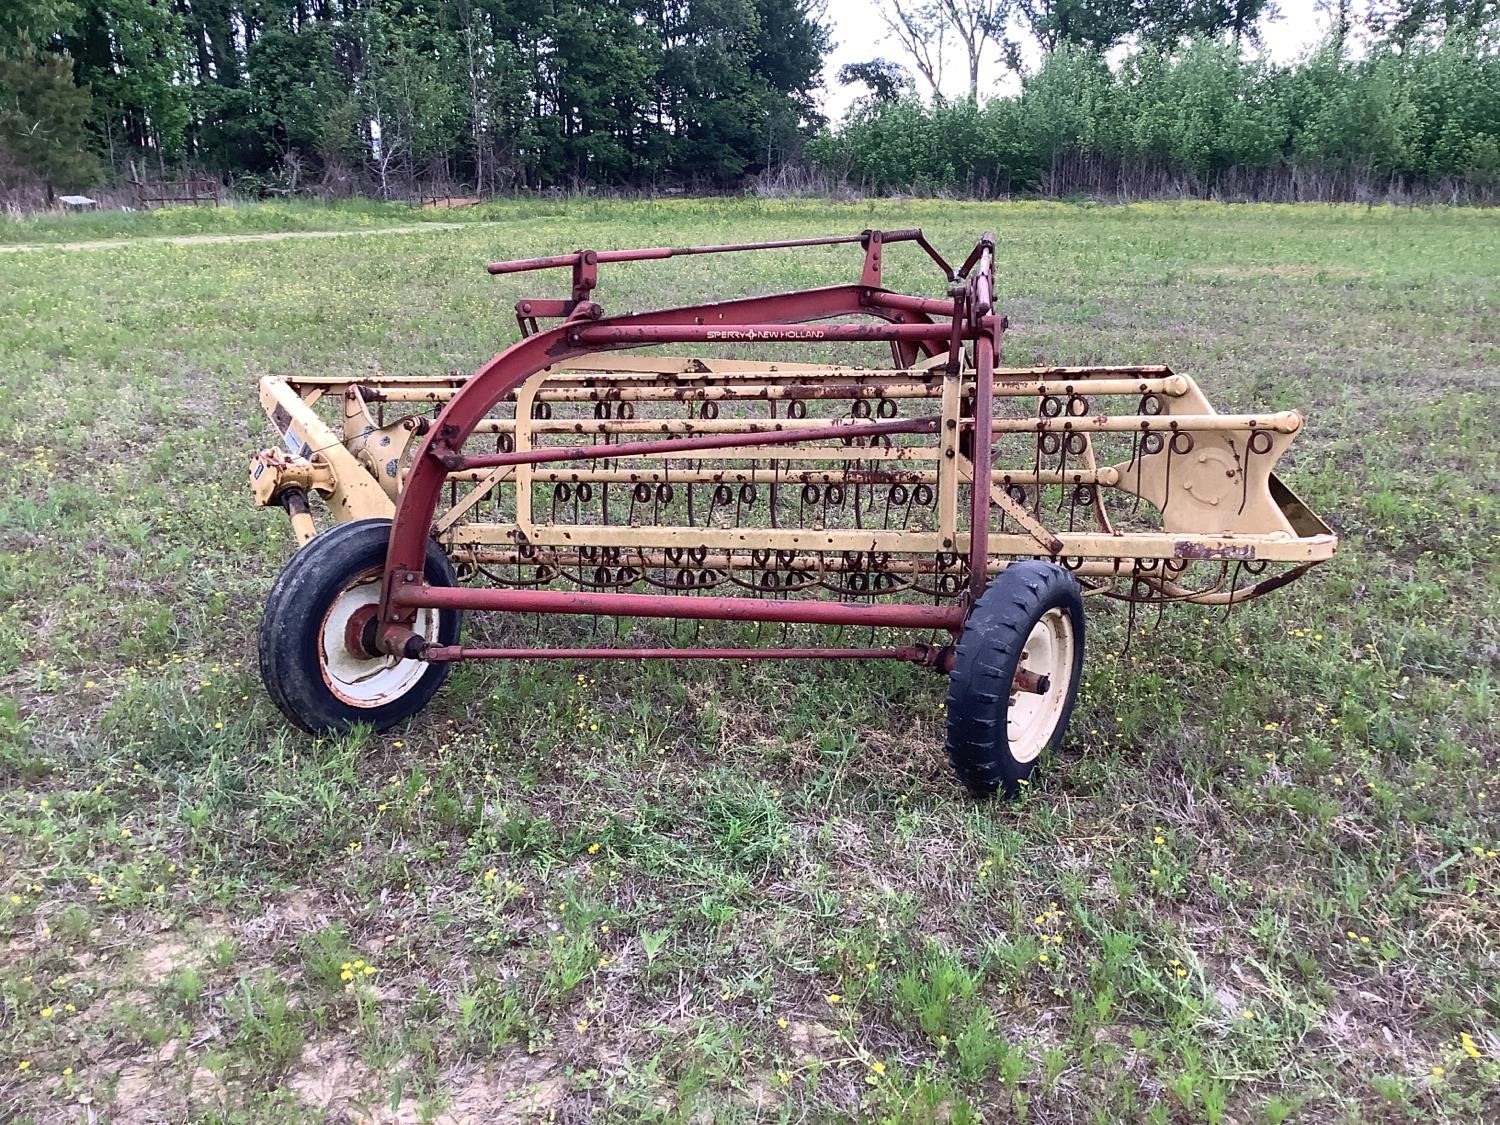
[
  {"x": 291, "y": 609},
  {"x": 984, "y": 665}
]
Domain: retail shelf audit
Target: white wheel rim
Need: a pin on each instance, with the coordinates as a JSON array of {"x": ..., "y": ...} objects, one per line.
[
  {"x": 1031, "y": 719},
  {"x": 366, "y": 681}
]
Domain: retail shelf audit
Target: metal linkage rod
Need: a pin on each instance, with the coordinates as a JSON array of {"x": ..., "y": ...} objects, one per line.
[
  {"x": 656, "y": 253},
  {"x": 911, "y": 654},
  {"x": 690, "y": 607},
  {"x": 638, "y": 335}
]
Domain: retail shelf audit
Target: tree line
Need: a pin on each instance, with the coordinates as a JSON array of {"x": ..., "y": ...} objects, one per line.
[
  {"x": 350, "y": 95},
  {"x": 1416, "y": 119},
  {"x": 394, "y": 97}
]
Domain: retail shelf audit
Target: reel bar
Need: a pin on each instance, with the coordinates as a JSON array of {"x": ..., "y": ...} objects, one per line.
[
  {"x": 1283, "y": 422},
  {"x": 803, "y": 563},
  {"x": 1107, "y": 476},
  {"x": 673, "y": 371},
  {"x": 730, "y": 391},
  {"x": 1271, "y": 547},
  {"x": 454, "y": 461}
]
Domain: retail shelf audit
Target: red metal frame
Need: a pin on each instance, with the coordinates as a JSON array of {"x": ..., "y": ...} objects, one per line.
[
  {"x": 914, "y": 326},
  {"x": 929, "y": 655}
]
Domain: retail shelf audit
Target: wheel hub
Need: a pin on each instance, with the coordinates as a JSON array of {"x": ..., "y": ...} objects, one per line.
[
  {"x": 1041, "y": 685},
  {"x": 360, "y": 633},
  {"x": 354, "y": 669}
]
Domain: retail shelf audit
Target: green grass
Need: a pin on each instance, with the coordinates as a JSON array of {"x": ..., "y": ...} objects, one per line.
[
  {"x": 256, "y": 218},
  {"x": 1263, "y": 874}
]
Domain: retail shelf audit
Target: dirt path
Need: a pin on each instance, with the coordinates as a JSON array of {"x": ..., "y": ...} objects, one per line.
[{"x": 270, "y": 236}]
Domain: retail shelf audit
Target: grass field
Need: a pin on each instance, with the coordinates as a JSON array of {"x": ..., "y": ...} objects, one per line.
[
  {"x": 1260, "y": 884},
  {"x": 263, "y": 218}
]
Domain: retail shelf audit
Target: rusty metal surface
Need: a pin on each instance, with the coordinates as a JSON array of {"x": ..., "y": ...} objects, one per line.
[{"x": 567, "y": 477}]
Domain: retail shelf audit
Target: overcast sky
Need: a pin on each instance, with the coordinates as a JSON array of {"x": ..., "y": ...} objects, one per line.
[{"x": 858, "y": 35}]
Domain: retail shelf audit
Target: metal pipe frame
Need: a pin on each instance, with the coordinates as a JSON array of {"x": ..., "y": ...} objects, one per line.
[
  {"x": 928, "y": 655},
  {"x": 970, "y": 435},
  {"x": 691, "y": 607},
  {"x": 910, "y": 333}
]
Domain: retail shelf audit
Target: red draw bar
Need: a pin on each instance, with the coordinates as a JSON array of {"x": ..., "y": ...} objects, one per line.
[
  {"x": 912, "y": 654},
  {"x": 689, "y": 606}
]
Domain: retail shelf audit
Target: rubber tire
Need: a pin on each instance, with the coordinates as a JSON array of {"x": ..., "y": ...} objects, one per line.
[
  {"x": 984, "y": 665},
  {"x": 295, "y": 608}
]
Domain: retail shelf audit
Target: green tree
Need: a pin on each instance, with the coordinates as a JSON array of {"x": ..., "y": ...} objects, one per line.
[
  {"x": 1095, "y": 25},
  {"x": 1404, "y": 23},
  {"x": 134, "y": 57},
  {"x": 35, "y": 22},
  {"x": 408, "y": 94},
  {"x": 43, "y": 116},
  {"x": 886, "y": 81},
  {"x": 304, "y": 107},
  {"x": 1202, "y": 110}
]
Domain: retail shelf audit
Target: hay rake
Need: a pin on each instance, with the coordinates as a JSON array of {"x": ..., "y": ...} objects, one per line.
[{"x": 937, "y": 494}]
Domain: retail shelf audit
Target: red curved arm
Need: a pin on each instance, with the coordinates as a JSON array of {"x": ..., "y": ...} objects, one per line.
[{"x": 505, "y": 372}]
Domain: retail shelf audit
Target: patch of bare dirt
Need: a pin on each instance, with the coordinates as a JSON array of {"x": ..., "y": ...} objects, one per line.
[
  {"x": 330, "y": 1077},
  {"x": 160, "y": 959},
  {"x": 813, "y": 1040},
  {"x": 513, "y": 1088},
  {"x": 294, "y": 913}
]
